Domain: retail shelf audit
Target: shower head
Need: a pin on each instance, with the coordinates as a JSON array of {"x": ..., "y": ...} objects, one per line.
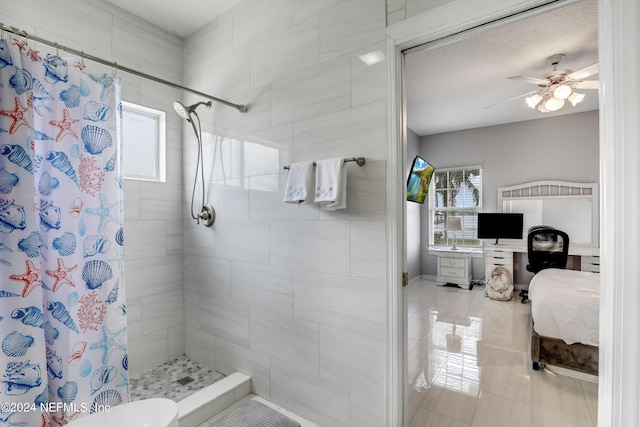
[{"x": 185, "y": 112}]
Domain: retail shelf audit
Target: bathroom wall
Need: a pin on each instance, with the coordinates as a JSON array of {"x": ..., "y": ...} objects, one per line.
[
  {"x": 153, "y": 211},
  {"x": 293, "y": 296},
  {"x": 399, "y": 10}
]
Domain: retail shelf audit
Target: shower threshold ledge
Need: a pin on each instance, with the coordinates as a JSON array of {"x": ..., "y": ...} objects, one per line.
[{"x": 195, "y": 409}]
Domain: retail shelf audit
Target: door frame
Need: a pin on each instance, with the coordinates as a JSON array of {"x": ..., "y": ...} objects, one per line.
[{"x": 619, "y": 176}]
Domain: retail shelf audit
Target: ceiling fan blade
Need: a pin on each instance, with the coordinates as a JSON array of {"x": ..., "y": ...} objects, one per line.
[
  {"x": 585, "y": 72},
  {"x": 511, "y": 99},
  {"x": 588, "y": 84},
  {"x": 530, "y": 80}
]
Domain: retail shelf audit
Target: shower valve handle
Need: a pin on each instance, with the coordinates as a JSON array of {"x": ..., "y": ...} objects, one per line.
[{"x": 207, "y": 215}]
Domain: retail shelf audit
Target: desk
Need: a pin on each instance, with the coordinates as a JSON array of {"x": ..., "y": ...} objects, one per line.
[
  {"x": 501, "y": 255},
  {"x": 522, "y": 248},
  {"x": 455, "y": 266}
]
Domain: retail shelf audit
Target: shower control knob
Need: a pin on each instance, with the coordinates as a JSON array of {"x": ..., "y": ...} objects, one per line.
[{"x": 207, "y": 215}]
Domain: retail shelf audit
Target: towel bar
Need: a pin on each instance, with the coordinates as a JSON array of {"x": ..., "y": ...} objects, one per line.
[{"x": 360, "y": 161}]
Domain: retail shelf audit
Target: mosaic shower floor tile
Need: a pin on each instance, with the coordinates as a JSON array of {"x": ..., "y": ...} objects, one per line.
[{"x": 173, "y": 380}]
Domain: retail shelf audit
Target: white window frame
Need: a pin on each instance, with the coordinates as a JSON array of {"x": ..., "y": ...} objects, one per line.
[
  {"x": 433, "y": 209},
  {"x": 159, "y": 145}
]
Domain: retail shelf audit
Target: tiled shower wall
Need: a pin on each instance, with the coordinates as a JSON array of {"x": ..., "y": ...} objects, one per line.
[
  {"x": 153, "y": 211},
  {"x": 399, "y": 10},
  {"x": 293, "y": 296}
]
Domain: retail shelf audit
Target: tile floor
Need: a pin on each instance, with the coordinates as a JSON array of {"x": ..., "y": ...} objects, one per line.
[
  {"x": 174, "y": 380},
  {"x": 469, "y": 365}
]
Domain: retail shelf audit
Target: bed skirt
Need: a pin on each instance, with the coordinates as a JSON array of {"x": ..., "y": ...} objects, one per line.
[{"x": 552, "y": 351}]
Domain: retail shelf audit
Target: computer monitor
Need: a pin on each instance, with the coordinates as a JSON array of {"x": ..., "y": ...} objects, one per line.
[{"x": 500, "y": 226}]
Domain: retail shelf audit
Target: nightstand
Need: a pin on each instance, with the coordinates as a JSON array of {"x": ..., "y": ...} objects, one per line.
[{"x": 454, "y": 267}]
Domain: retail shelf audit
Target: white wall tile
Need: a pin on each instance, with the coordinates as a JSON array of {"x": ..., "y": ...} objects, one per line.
[
  {"x": 229, "y": 198},
  {"x": 316, "y": 91},
  {"x": 156, "y": 55},
  {"x": 357, "y": 132},
  {"x": 149, "y": 276},
  {"x": 369, "y": 82},
  {"x": 350, "y": 26},
  {"x": 350, "y": 357},
  {"x": 366, "y": 197},
  {"x": 268, "y": 151},
  {"x": 200, "y": 345},
  {"x": 292, "y": 269},
  {"x": 306, "y": 9},
  {"x": 161, "y": 201},
  {"x": 162, "y": 311},
  {"x": 208, "y": 276},
  {"x": 131, "y": 205},
  {"x": 266, "y": 287},
  {"x": 368, "y": 408},
  {"x": 198, "y": 239},
  {"x": 290, "y": 340},
  {"x": 191, "y": 309},
  {"x": 145, "y": 239},
  {"x": 266, "y": 200},
  {"x": 258, "y": 115},
  {"x": 231, "y": 357},
  {"x": 176, "y": 341},
  {"x": 368, "y": 244},
  {"x": 322, "y": 401},
  {"x": 261, "y": 21},
  {"x": 174, "y": 237},
  {"x": 395, "y": 11},
  {"x": 242, "y": 241},
  {"x": 134, "y": 319},
  {"x": 225, "y": 318},
  {"x": 147, "y": 351},
  {"x": 287, "y": 53},
  {"x": 416, "y": 7},
  {"x": 343, "y": 302},
  {"x": 311, "y": 245}
]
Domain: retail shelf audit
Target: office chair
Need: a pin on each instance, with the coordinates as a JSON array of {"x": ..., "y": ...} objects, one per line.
[{"x": 547, "y": 247}]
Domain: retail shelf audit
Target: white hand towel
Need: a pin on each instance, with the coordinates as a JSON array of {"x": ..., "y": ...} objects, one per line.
[
  {"x": 300, "y": 184},
  {"x": 331, "y": 184}
]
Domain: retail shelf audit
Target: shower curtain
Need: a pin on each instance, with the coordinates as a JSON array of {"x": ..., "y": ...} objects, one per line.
[{"x": 62, "y": 311}]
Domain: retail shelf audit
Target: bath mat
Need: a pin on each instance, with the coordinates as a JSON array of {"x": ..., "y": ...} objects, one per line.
[{"x": 255, "y": 414}]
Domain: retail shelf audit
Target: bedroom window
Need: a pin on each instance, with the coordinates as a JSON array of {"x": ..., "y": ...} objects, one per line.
[{"x": 455, "y": 192}]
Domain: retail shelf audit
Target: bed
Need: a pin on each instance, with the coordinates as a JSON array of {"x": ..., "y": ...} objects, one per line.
[{"x": 565, "y": 312}]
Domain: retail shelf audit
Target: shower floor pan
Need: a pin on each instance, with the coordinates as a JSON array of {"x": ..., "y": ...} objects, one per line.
[{"x": 199, "y": 391}]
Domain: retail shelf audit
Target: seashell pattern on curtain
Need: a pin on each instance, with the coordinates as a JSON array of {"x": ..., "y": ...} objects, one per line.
[{"x": 63, "y": 330}]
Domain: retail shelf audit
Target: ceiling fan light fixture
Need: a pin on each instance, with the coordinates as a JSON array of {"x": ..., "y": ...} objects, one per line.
[
  {"x": 576, "y": 98},
  {"x": 533, "y": 100},
  {"x": 562, "y": 92},
  {"x": 553, "y": 104}
]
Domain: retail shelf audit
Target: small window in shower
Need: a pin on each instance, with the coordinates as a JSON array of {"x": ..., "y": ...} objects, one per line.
[{"x": 144, "y": 142}]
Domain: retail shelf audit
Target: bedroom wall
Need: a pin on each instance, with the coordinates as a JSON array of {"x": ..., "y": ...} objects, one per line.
[
  {"x": 413, "y": 213},
  {"x": 560, "y": 148}
]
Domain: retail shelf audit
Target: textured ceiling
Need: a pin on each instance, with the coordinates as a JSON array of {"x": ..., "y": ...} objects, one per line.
[
  {"x": 449, "y": 83},
  {"x": 181, "y": 17}
]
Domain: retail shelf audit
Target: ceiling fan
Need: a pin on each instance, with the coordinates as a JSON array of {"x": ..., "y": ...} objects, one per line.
[{"x": 558, "y": 86}]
